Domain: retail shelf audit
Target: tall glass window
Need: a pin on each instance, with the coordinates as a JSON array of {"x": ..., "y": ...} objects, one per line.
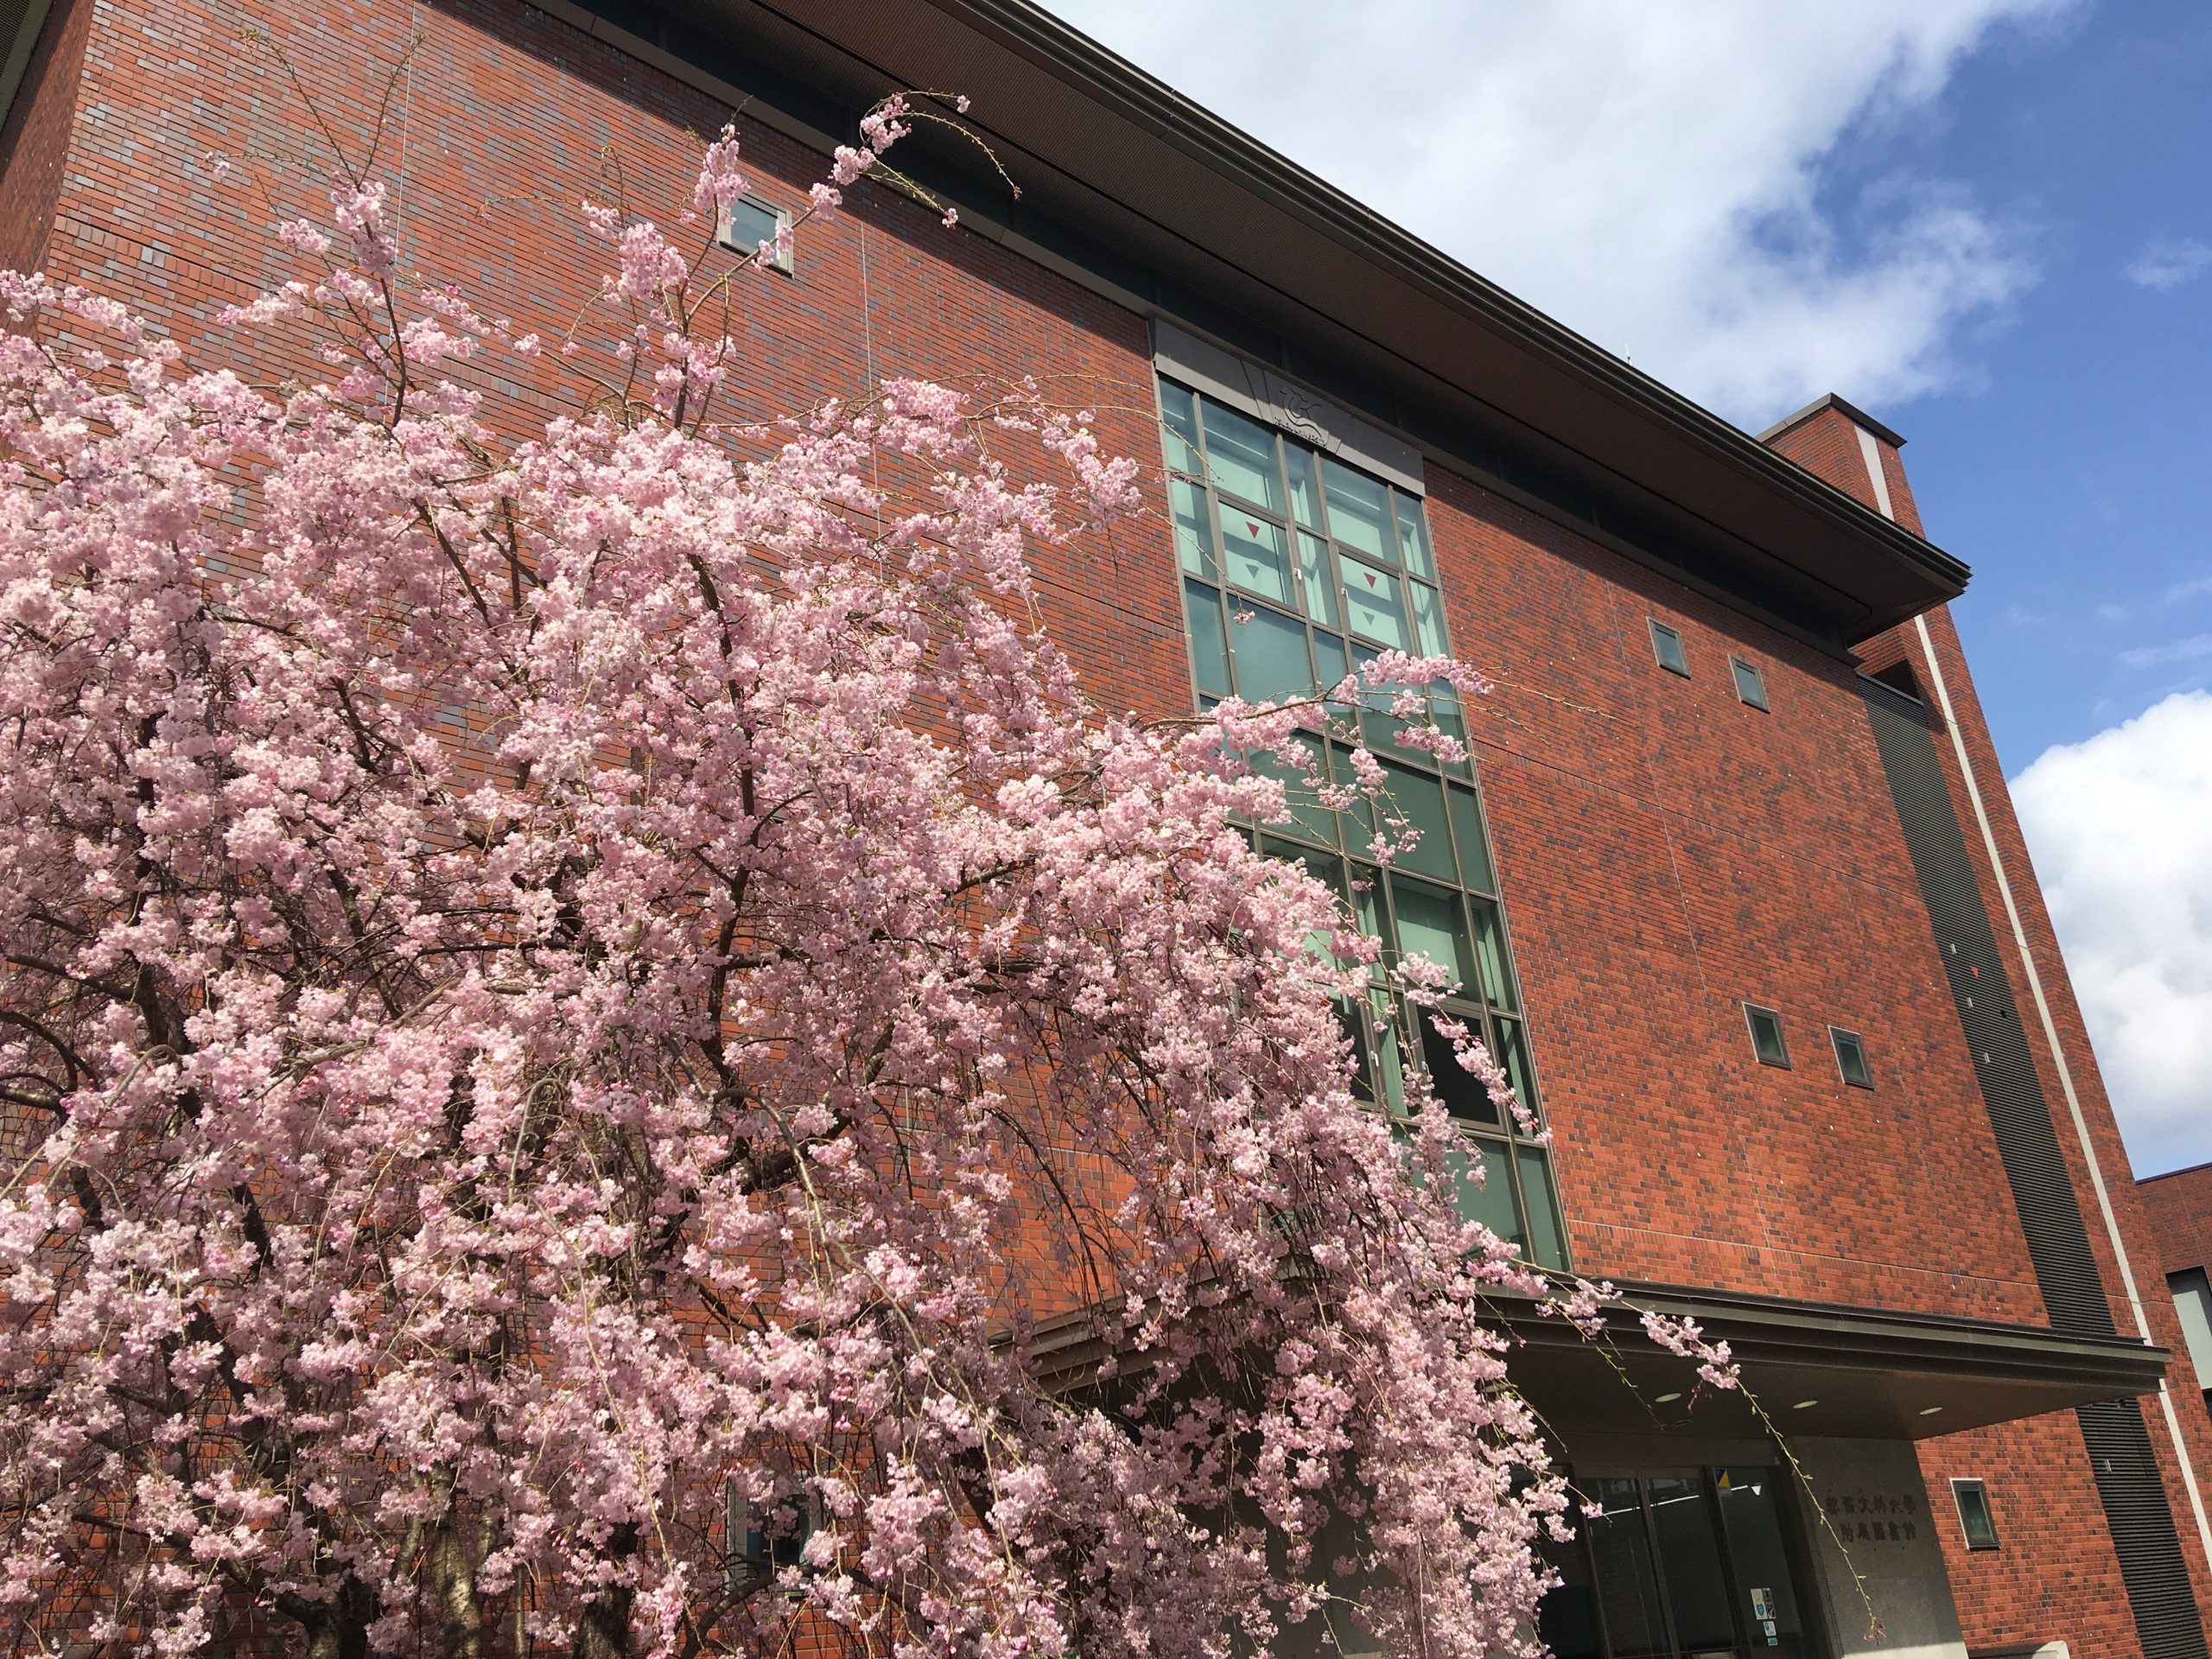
[{"x": 1296, "y": 568}]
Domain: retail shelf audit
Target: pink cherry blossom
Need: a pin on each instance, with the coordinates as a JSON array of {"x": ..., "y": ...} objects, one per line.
[{"x": 568, "y": 1000}]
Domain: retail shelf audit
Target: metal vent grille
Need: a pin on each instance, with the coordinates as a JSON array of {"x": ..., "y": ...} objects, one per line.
[
  {"x": 2042, "y": 1191},
  {"x": 2143, "y": 1535},
  {"x": 2128, "y": 1482}
]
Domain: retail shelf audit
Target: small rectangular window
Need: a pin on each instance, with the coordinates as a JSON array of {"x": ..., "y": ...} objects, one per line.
[
  {"x": 1750, "y": 684},
  {"x": 1667, "y": 646},
  {"x": 1851, "y": 1058},
  {"x": 1975, "y": 1519},
  {"x": 748, "y": 222},
  {"x": 1766, "y": 1035}
]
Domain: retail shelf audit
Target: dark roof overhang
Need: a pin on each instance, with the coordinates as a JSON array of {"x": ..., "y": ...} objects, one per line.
[
  {"x": 1817, "y": 1369},
  {"x": 1132, "y": 182}
]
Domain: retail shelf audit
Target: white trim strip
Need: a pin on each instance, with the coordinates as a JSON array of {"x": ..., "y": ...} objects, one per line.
[{"x": 1873, "y": 452}]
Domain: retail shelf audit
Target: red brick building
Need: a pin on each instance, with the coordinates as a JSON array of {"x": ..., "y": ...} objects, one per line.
[{"x": 1734, "y": 880}]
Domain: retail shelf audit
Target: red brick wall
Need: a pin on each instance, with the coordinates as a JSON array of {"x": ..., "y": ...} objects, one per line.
[
  {"x": 2053, "y": 1575},
  {"x": 35, "y": 142},
  {"x": 2178, "y": 1208},
  {"x": 1669, "y": 853}
]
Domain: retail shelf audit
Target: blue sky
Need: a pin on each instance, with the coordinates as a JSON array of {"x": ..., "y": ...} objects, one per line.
[{"x": 1987, "y": 221}]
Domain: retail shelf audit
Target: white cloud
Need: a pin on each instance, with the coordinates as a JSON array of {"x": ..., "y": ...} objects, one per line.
[
  {"x": 2174, "y": 650},
  {"x": 1651, "y": 175},
  {"x": 2167, "y": 261},
  {"x": 2195, "y": 588},
  {"x": 2117, "y": 824}
]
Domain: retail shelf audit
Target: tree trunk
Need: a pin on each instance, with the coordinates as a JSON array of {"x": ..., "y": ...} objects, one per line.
[
  {"x": 338, "y": 1627},
  {"x": 453, "y": 1586},
  {"x": 603, "y": 1631}
]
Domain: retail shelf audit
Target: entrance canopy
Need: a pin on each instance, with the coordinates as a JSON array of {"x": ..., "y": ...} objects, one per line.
[{"x": 1817, "y": 1369}]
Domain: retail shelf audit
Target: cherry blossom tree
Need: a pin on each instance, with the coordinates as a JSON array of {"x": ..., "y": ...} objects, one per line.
[{"x": 601, "y": 1052}]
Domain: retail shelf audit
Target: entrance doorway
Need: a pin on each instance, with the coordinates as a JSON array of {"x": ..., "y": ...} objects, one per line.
[{"x": 1679, "y": 1564}]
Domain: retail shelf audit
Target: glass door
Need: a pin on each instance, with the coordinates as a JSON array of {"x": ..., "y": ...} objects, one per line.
[{"x": 1679, "y": 1564}]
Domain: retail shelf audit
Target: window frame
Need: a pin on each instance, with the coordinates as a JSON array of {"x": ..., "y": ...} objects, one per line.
[
  {"x": 785, "y": 260},
  {"x": 1740, "y": 669},
  {"x": 1837, "y": 1037},
  {"x": 1663, "y": 631},
  {"x": 1751, "y": 1010},
  {"x": 1974, "y": 1483}
]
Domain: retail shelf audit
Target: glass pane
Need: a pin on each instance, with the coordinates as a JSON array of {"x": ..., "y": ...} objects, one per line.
[
  {"x": 1329, "y": 661},
  {"x": 1193, "y": 538},
  {"x": 2193, "y": 1301},
  {"x": 746, "y": 225},
  {"x": 1314, "y": 574},
  {"x": 1974, "y": 1515},
  {"x": 1412, "y": 535},
  {"x": 1363, "y": 1076},
  {"x": 1322, "y": 867},
  {"x": 1851, "y": 1059},
  {"x": 1378, "y": 730},
  {"x": 1547, "y": 1244},
  {"x": 1766, "y": 1037},
  {"x": 1567, "y": 1619},
  {"x": 1367, "y": 904},
  {"x": 1419, "y": 798},
  {"x": 1627, "y": 1588},
  {"x": 1389, "y": 1064},
  {"x": 1491, "y": 1200},
  {"x": 1359, "y": 510},
  {"x": 1512, "y": 1047},
  {"x": 1208, "y": 648},
  {"x": 1429, "y": 925},
  {"x": 1374, "y": 608},
  {"x": 1765, "y": 1592},
  {"x": 1749, "y": 684},
  {"x": 1428, "y": 620},
  {"x": 1305, "y": 486},
  {"x": 1689, "y": 1555},
  {"x": 1460, "y": 1091},
  {"x": 1474, "y": 846},
  {"x": 1270, "y": 651},
  {"x": 1444, "y": 709},
  {"x": 1241, "y": 456},
  {"x": 1307, "y": 815},
  {"x": 1490, "y": 956},
  {"x": 1252, "y": 549},
  {"x": 1178, "y": 410}
]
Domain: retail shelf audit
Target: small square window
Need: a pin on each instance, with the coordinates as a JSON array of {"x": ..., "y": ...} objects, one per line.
[
  {"x": 1750, "y": 684},
  {"x": 747, "y": 222},
  {"x": 1975, "y": 1519},
  {"x": 1667, "y": 646},
  {"x": 1851, "y": 1058},
  {"x": 1766, "y": 1035}
]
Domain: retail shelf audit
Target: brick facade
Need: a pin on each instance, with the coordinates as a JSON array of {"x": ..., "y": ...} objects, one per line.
[
  {"x": 2178, "y": 1208},
  {"x": 1667, "y": 851}
]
